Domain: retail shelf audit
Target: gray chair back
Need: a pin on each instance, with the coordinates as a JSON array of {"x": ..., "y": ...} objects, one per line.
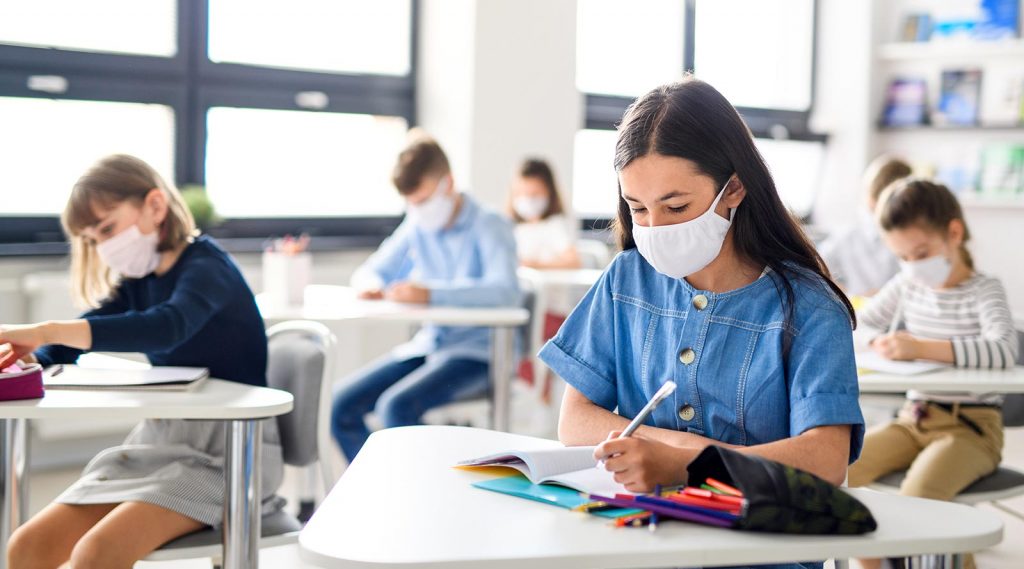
[
  {"x": 301, "y": 362},
  {"x": 1013, "y": 404}
]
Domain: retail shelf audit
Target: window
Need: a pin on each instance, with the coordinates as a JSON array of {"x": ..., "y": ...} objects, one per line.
[
  {"x": 758, "y": 53},
  {"x": 47, "y": 144},
  {"x": 625, "y": 48},
  {"x": 318, "y": 35},
  {"x": 112, "y": 26},
  {"x": 796, "y": 167},
  {"x": 265, "y": 102},
  {"x": 596, "y": 185},
  {"x": 339, "y": 162},
  {"x": 772, "y": 67}
]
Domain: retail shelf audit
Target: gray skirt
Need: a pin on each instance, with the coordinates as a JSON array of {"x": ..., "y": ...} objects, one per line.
[{"x": 175, "y": 464}]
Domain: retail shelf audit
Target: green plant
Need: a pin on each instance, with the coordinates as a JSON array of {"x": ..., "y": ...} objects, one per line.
[{"x": 198, "y": 202}]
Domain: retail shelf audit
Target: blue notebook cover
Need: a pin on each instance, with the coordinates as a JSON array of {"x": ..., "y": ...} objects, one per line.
[{"x": 547, "y": 493}]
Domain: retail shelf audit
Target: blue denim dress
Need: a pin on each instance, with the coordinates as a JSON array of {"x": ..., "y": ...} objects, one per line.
[{"x": 637, "y": 328}]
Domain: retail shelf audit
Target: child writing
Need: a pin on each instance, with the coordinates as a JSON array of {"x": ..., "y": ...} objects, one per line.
[
  {"x": 857, "y": 256},
  {"x": 449, "y": 251},
  {"x": 179, "y": 299},
  {"x": 545, "y": 237},
  {"x": 951, "y": 313},
  {"x": 718, "y": 290}
]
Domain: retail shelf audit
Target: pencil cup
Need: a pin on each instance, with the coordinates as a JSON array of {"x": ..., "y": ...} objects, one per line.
[{"x": 285, "y": 276}]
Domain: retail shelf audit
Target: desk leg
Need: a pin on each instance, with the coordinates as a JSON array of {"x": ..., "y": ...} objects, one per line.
[
  {"x": 952, "y": 561},
  {"x": 242, "y": 508},
  {"x": 14, "y": 510},
  {"x": 502, "y": 348}
]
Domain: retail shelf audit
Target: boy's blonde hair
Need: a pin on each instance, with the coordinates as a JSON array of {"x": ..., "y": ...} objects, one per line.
[
  {"x": 108, "y": 183},
  {"x": 883, "y": 171},
  {"x": 916, "y": 202}
]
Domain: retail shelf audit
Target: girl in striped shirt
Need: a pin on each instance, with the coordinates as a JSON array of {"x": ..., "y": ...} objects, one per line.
[{"x": 950, "y": 313}]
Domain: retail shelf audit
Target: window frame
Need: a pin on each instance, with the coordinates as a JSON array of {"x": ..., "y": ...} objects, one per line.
[
  {"x": 191, "y": 84},
  {"x": 604, "y": 112}
]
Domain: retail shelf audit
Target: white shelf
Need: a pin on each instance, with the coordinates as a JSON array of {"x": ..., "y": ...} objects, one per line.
[
  {"x": 985, "y": 202},
  {"x": 905, "y": 51}
]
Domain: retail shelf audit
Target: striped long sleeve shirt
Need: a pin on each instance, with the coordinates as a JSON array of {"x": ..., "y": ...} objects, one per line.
[{"x": 973, "y": 315}]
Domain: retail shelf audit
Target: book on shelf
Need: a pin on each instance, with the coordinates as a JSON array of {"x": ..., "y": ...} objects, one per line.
[
  {"x": 906, "y": 102},
  {"x": 1002, "y": 96},
  {"x": 917, "y": 27},
  {"x": 1002, "y": 171},
  {"x": 959, "y": 97},
  {"x": 1020, "y": 117}
]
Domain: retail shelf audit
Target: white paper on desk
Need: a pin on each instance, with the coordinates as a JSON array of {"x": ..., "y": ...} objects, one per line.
[{"x": 874, "y": 362}]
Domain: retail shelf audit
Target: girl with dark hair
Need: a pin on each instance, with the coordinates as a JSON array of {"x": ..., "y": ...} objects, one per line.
[
  {"x": 545, "y": 236},
  {"x": 717, "y": 289}
]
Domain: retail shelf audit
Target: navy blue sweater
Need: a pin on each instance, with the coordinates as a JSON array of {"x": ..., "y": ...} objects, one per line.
[{"x": 200, "y": 313}]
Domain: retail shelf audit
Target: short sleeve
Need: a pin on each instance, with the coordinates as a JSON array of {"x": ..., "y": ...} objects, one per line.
[
  {"x": 583, "y": 351},
  {"x": 822, "y": 376}
]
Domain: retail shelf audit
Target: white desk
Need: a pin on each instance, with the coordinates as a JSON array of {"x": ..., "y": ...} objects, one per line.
[
  {"x": 400, "y": 504},
  {"x": 240, "y": 406},
  {"x": 332, "y": 304},
  {"x": 947, "y": 380},
  {"x": 560, "y": 277}
]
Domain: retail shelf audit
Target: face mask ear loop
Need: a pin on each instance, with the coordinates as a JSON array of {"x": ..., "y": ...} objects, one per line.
[{"x": 721, "y": 194}]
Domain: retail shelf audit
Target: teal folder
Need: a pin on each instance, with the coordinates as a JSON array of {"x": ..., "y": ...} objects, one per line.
[{"x": 547, "y": 493}]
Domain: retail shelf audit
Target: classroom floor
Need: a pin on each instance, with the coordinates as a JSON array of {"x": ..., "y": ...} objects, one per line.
[{"x": 1007, "y": 555}]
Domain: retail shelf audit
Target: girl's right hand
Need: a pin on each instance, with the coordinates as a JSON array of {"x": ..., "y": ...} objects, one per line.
[
  {"x": 21, "y": 342},
  {"x": 899, "y": 346}
]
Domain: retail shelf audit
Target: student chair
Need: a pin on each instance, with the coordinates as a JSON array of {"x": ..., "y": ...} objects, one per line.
[
  {"x": 301, "y": 362},
  {"x": 1002, "y": 484}
]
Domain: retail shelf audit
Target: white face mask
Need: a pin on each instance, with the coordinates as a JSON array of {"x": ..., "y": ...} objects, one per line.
[
  {"x": 435, "y": 212},
  {"x": 931, "y": 272},
  {"x": 131, "y": 253},
  {"x": 530, "y": 208},
  {"x": 681, "y": 249}
]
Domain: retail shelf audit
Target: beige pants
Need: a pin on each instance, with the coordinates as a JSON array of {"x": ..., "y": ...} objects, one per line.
[{"x": 940, "y": 453}]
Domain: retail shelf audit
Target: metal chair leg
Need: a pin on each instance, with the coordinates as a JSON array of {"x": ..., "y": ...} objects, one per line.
[{"x": 1008, "y": 510}]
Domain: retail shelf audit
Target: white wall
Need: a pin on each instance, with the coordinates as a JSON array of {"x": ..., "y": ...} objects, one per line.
[
  {"x": 842, "y": 106},
  {"x": 497, "y": 84}
]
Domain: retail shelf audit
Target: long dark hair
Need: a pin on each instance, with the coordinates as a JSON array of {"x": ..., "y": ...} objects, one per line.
[
  {"x": 689, "y": 119},
  {"x": 539, "y": 169}
]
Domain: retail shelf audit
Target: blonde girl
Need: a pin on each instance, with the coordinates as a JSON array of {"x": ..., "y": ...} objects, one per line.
[{"x": 154, "y": 287}]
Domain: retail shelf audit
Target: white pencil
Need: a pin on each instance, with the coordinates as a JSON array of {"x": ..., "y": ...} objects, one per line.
[{"x": 896, "y": 316}]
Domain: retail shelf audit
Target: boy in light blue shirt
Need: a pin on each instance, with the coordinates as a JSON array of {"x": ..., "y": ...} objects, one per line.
[{"x": 449, "y": 251}]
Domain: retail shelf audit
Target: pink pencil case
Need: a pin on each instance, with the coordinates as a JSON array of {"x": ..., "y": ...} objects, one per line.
[{"x": 18, "y": 383}]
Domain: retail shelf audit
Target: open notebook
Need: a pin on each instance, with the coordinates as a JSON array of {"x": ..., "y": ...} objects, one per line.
[
  {"x": 148, "y": 379},
  {"x": 871, "y": 361},
  {"x": 573, "y": 467}
]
